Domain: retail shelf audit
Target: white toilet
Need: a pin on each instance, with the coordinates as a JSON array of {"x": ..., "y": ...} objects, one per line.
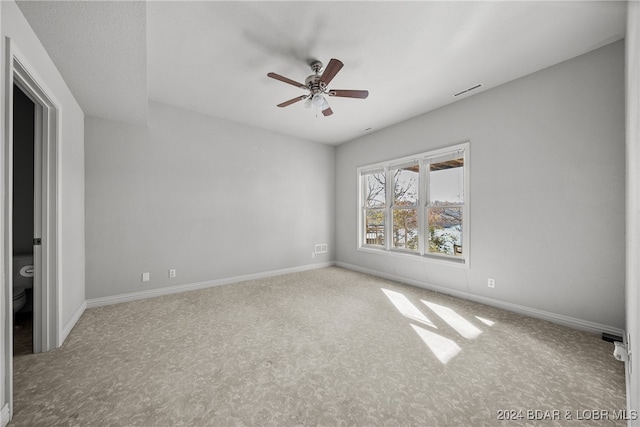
[{"x": 22, "y": 279}]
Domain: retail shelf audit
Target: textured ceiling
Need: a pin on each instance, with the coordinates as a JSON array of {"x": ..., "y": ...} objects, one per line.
[
  {"x": 213, "y": 57},
  {"x": 100, "y": 50}
]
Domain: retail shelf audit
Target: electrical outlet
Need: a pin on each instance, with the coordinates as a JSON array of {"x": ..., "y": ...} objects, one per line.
[
  {"x": 491, "y": 283},
  {"x": 145, "y": 277},
  {"x": 172, "y": 273},
  {"x": 321, "y": 248}
]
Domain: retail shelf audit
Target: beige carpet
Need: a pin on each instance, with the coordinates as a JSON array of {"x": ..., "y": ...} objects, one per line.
[{"x": 325, "y": 347}]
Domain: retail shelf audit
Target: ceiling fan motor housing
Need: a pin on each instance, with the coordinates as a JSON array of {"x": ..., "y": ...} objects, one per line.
[
  {"x": 313, "y": 81},
  {"x": 314, "y": 84}
]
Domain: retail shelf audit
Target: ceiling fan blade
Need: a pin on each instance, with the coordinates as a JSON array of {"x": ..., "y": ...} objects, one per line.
[
  {"x": 292, "y": 101},
  {"x": 286, "y": 80},
  {"x": 327, "y": 111},
  {"x": 331, "y": 71},
  {"x": 362, "y": 94}
]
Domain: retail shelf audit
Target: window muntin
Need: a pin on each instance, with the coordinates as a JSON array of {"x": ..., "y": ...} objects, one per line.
[{"x": 417, "y": 205}]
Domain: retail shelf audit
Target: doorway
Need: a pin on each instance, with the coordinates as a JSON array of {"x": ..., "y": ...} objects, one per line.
[
  {"x": 24, "y": 218},
  {"x": 21, "y": 77}
]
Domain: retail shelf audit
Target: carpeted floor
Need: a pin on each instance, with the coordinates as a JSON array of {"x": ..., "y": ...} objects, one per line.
[{"x": 326, "y": 347}]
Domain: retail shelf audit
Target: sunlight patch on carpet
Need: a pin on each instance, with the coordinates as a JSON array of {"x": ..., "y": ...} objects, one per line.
[
  {"x": 406, "y": 307},
  {"x": 453, "y": 319},
  {"x": 443, "y": 348},
  {"x": 485, "y": 321}
]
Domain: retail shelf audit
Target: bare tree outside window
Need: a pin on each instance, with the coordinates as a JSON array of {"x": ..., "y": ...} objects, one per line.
[
  {"x": 405, "y": 207},
  {"x": 374, "y": 208}
]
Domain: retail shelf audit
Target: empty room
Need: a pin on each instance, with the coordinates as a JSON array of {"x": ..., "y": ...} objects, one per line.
[{"x": 336, "y": 213}]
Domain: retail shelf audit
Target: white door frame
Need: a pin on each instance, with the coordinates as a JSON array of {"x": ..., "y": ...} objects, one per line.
[
  {"x": 632, "y": 208},
  {"x": 46, "y": 260}
]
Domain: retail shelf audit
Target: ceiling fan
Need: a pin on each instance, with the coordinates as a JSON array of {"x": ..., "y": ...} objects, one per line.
[{"x": 317, "y": 84}]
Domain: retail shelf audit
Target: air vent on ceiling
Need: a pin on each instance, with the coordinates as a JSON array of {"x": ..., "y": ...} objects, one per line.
[{"x": 462, "y": 92}]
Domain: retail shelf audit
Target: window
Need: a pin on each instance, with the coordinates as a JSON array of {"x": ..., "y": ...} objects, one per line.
[
  {"x": 374, "y": 207},
  {"x": 417, "y": 205},
  {"x": 404, "y": 212},
  {"x": 445, "y": 205}
]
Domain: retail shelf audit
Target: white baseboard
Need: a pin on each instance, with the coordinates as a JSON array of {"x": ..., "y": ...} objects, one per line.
[
  {"x": 580, "y": 324},
  {"x": 4, "y": 415},
  {"x": 71, "y": 323},
  {"x": 571, "y": 322},
  {"x": 116, "y": 299}
]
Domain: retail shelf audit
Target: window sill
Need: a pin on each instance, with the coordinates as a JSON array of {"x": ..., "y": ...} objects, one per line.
[{"x": 450, "y": 261}]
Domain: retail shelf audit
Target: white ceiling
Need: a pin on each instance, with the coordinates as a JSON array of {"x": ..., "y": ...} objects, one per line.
[
  {"x": 213, "y": 57},
  {"x": 100, "y": 50}
]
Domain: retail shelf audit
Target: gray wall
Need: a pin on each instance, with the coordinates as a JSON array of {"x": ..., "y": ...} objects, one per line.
[
  {"x": 70, "y": 158},
  {"x": 210, "y": 198},
  {"x": 547, "y": 189},
  {"x": 71, "y": 257}
]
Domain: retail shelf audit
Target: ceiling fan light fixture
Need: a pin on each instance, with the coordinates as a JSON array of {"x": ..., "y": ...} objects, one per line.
[{"x": 319, "y": 101}]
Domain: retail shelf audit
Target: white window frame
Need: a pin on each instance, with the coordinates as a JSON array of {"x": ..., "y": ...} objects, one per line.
[{"x": 423, "y": 160}]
